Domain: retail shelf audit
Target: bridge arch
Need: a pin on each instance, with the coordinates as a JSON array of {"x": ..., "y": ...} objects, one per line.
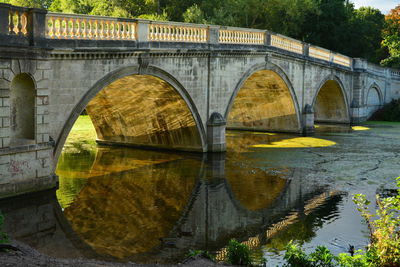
[
  {"x": 153, "y": 73},
  {"x": 374, "y": 99},
  {"x": 330, "y": 101},
  {"x": 277, "y": 105}
]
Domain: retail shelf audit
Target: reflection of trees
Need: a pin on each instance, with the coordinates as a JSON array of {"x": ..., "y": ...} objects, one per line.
[{"x": 304, "y": 228}]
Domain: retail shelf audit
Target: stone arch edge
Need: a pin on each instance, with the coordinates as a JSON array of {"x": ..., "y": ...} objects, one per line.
[
  {"x": 281, "y": 73},
  {"x": 113, "y": 76},
  {"x": 342, "y": 89}
]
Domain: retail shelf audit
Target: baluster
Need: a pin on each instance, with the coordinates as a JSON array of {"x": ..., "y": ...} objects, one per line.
[
  {"x": 11, "y": 22},
  {"x": 24, "y": 22},
  {"x": 194, "y": 35},
  {"x": 183, "y": 34},
  {"x": 151, "y": 32},
  {"x": 118, "y": 30},
  {"x": 123, "y": 34},
  {"x": 179, "y": 34},
  {"x": 132, "y": 31},
  {"x": 49, "y": 29},
  {"x": 128, "y": 31},
  {"x": 198, "y": 35},
  {"x": 66, "y": 28},
  {"x": 88, "y": 25},
  {"x": 58, "y": 27},
  {"x": 53, "y": 28},
  {"x": 78, "y": 28},
  {"x": 95, "y": 29},
  {"x": 72, "y": 28},
  {"x": 99, "y": 29},
  {"x": 201, "y": 35},
  {"x": 107, "y": 30},
  {"x": 169, "y": 33},
  {"x": 19, "y": 23},
  {"x": 110, "y": 30},
  {"x": 156, "y": 33},
  {"x": 164, "y": 31}
]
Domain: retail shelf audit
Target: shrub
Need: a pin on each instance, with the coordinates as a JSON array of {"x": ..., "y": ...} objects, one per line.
[
  {"x": 389, "y": 112},
  {"x": 384, "y": 227},
  {"x": 238, "y": 254}
]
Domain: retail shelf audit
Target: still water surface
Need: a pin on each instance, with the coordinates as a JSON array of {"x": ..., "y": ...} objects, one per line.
[{"x": 126, "y": 204}]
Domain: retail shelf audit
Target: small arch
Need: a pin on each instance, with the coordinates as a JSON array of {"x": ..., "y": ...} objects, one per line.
[
  {"x": 264, "y": 100},
  {"x": 22, "y": 102},
  {"x": 153, "y": 74},
  {"x": 374, "y": 99},
  {"x": 330, "y": 103}
]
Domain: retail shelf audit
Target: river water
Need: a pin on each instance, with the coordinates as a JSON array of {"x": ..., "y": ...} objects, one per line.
[{"x": 126, "y": 204}]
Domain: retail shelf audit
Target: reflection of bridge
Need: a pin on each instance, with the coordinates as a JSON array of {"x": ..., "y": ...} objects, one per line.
[
  {"x": 162, "y": 84},
  {"x": 129, "y": 223}
]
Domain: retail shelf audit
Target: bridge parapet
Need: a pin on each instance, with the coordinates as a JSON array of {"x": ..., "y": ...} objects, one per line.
[
  {"x": 37, "y": 27},
  {"x": 72, "y": 26}
]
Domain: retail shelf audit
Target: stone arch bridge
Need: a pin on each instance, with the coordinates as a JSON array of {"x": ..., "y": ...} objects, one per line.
[{"x": 164, "y": 85}]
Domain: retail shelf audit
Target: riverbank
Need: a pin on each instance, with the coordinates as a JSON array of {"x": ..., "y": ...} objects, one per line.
[{"x": 27, "y": 256}]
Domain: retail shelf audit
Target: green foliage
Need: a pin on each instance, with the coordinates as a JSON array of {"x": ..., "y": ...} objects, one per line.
[
  {"x": 194, "y": 15},
  {"x": 203, "y": 253},
  {"x": 389, "y": 112},
  {"x": 296, "y": 257},
  {"x": 384, "y": 226},
  {"x": 28, "y": 3},
  {"x": 155, "y": 16},
  {"x": 3, "y": 236},
  {"x": 391, "y": 38},
  {"x": 322, "y": 257},
  {"x": 358, "y": 260},
  {"x": 238, "y": 254}
]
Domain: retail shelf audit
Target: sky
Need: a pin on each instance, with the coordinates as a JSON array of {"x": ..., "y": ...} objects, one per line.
[{"x": 384, "y": 5}]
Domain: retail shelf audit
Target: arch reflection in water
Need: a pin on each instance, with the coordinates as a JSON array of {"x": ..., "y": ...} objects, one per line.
[{"x": 154, "y": 206}]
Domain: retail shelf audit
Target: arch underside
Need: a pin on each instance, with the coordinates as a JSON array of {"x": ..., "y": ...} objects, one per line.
[
  {"x": 264, "y": 103},
  {"x": 143, "y": 110},
  {"x": 373, "y": 101},
  {"x": 330, "y": 105}
]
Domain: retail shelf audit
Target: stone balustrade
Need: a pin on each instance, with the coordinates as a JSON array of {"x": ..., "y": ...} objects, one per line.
[
  {"x": 395, "y": 73},
  {"x": 287, "y": 43},
  {"x": 227, "y": 36},
  {"x": 18, "y": 21},
  {"x": 342, "y": 60},
  {"x": 177, "y": 32},
  {"x": 320, "y": 53},
  {"x": 27, "y": 26},
  {"x": 68, "y": 26}
]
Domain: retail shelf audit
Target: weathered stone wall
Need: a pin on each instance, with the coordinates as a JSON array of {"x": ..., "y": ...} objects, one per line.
[{"x": 25, "y": 165}]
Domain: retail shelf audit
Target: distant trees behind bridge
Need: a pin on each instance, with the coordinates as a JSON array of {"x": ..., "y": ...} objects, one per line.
[{"x": 332, "y": 24}]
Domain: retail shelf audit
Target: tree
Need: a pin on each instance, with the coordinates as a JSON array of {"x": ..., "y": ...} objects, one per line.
[
  {"x": 391, "y": 38},
  {"x": 366, "y": 27},
  {"x": 29, "y": 3}
]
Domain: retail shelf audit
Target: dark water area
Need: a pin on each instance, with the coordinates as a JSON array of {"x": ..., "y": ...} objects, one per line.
[{"x": 125, "y": 204}]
